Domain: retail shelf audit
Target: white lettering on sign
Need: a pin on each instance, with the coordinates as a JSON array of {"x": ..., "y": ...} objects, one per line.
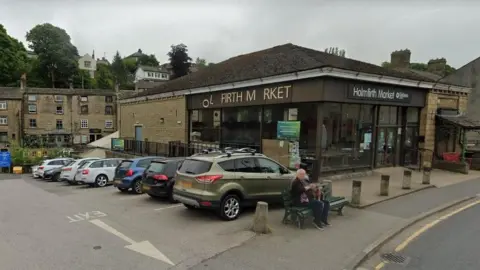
[
  {"x": 269, "y": 93},
  {"x": 85, "y": 216},
  {"x": 379, "y": 94}
]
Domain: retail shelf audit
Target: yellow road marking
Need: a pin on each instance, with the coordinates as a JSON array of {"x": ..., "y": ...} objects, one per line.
[
  {"x": 379, "y": 266},
  {"x": 430, "y": 225}
]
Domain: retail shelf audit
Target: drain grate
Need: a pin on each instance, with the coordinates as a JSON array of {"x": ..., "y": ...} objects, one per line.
[{"x": 394, "y": 258}]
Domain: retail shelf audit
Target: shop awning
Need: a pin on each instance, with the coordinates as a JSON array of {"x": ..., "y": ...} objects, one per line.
[{"x": 461, "y": 121}]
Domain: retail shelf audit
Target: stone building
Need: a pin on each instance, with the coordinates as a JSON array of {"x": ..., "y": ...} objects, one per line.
[
  {"x": 349, "y": 114},
  {"x": 56, "y": 116}
]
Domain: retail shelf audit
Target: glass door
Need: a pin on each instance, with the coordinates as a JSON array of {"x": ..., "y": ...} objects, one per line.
[
  {"x": 410, "y": 145},
  {"x": 386, "y": 146}
]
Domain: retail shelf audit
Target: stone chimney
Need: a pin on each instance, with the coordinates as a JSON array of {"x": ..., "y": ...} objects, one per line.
[
  {"x": 437, "y": 66},
  {"x": 400, "y": 59},
  {"x": 23, "y": 81}
]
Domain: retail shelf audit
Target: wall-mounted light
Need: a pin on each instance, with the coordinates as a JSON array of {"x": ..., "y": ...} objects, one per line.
[{"x": 162, "y": 120}]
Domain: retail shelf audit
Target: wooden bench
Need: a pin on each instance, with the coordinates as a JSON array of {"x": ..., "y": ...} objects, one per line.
[{"x": 300, "y": 214}]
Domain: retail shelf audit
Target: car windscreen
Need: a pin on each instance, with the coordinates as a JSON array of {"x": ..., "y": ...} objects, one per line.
[
  {"x": 195, "y": 166},
  {"x": 157, "y": 167}
]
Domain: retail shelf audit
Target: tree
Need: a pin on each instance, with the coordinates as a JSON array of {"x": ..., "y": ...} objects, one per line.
[
  {"x": 179, "y": 60},
  {"x": 200, "y": 62},
  {"x": 335, "y": 51},
  {"x": 148, "y": 60},
  {"x": 81, "y": 79},
  {"x": 13, "y": 59},
  {"x": 130, "y": 65},
  {"x": 119, "y": 70},
  {"x": 57, "y": 55},
  {"x": 104, "y": 77}
]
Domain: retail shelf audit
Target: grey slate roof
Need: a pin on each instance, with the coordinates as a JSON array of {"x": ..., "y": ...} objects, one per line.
[
  {"x": 16, "y": 93},
  {"x": 287, "y": 58},
  {"x": 153, "y": 69},
  {"x": 10, "y": 93}
]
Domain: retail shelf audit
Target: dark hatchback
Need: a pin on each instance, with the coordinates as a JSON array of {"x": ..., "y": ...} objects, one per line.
[{"x": 159, "y": 177}]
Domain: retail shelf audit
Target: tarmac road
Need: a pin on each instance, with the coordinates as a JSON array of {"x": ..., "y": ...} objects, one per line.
[
  {"x": 53, "y": 226},
  {"x": 449, "y": 245}
]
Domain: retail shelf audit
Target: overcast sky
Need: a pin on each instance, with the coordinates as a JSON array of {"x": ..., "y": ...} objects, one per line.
[{"x": 369, "y": 30}]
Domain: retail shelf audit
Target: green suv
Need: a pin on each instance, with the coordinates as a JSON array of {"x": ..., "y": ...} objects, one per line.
[{"x": 228, "y": 181}]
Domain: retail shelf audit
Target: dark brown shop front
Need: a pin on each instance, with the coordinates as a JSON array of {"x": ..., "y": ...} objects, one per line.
[{"x": 344, "y": 124}]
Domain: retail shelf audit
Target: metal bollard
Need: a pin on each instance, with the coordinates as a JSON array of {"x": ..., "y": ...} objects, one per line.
[
  {"x": 356, "y": 192},
  {"x": 384, "y": 184},
  {"x": 328, "y": 191},
  {"x": 407, "y": 179},
  {"x": 426, "y": 175}
]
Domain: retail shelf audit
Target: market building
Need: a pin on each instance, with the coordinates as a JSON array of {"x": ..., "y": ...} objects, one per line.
[{"x": 340, "y": 113}]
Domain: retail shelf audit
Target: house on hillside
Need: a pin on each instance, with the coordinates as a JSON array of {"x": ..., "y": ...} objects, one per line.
[
  {"x": 135, "y": 56},
  {"x": 147, "y": 77},
  {"x": 168, "y": 67},
  {"x": 88, "y": 63}
]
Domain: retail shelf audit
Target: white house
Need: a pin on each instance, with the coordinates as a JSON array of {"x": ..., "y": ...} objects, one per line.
[
  {"x": 151, "y": 74},
  {"x": 88, "y": 63}
]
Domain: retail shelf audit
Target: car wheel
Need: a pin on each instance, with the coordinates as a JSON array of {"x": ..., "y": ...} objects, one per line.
[
  {"x": 230, "y": 207},
  {"x": 56, "y": 177},
  {"x": 137, "y": 186},
  {"x": 123, "y": 189},
  {"x": 101, "y": 180},
  {"x": 189, "y": 207}
]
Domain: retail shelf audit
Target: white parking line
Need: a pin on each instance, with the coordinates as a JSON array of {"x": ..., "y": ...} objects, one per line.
[
  {"x": 132, "y": 197},
  {"x": 167, "y": 207}
]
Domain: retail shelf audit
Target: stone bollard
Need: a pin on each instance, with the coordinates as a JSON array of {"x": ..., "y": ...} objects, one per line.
[
  {"x": 260, "y": 219},
  {"x": 356, "y": 192},
  {"x": 407, "y": 179},
  {"x": 384, "y": 184},
  {"x": 426, "y": 175}
]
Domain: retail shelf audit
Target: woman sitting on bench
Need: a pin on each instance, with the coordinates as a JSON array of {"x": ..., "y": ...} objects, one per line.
[{"x": 303, "y": 195}]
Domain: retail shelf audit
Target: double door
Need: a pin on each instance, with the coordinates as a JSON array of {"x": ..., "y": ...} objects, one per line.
[{"x": 387, "y": 146}]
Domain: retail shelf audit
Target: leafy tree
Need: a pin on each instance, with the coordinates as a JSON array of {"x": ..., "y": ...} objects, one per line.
[
  {"x": 335, "y": 51},
  {"x": 119, "y": 70},
  {"x": 148, "y": 60},
  {"x": 56, "y": 54},
  {"x": 200, "y": 62},
  {"x": 81, "y": 79},
  {"x": 13, "y": 59},
  {"x": 104, "y": 77},
  {"x": 179, "y": 60},
  {"x": 130, "y": 65}
]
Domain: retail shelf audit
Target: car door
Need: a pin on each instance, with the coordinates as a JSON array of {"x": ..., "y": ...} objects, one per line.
[
  {"x": 248, "y": 176},
  {"x": 277, "y": 177}
]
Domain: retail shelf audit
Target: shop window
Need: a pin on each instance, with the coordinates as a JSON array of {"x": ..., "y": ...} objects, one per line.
[
  {"x": 412, "y": 115},
  {"x": 347, "y": 136},
  {"x": 241, "y": 126},
  {"x": 205, "y": 125},
  {"x": 387, "y": 115}
]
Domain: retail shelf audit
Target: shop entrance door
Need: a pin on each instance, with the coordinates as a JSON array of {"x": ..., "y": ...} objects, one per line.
[
  {"x": 386, "y": 147},
  {"x": 410, "y": 156}
]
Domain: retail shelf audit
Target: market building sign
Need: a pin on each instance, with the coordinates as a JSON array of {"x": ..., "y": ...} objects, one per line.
[
  {"x": 266, "y": 95},
  {"x": 379, "y": 94}
]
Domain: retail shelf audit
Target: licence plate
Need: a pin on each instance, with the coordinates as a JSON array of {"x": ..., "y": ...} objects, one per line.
[
  {"x": 146, "y": 188},
  {"x": 186, "y": 184}
]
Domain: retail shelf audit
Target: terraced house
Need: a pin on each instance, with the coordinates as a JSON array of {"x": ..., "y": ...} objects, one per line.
[
  {"x": 349, "y": 114},
  {"x": 56, "y": 117}
]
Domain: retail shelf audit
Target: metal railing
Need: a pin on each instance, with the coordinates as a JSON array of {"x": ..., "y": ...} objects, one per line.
[{"x": 172, "y": 148}]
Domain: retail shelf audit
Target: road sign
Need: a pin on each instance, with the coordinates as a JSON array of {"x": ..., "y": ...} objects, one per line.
[{"x": 5, "y": 160}]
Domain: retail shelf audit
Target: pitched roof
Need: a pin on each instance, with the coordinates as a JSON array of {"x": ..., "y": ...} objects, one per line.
[
  {"x": 136, "y": 54},
  {"x": 153, "y": 69},
  {"x": 16, "y": 93},
  {"x": 425, "y": 74},
  {"x": 462, "y": 121},
  {"x": 465, "y": 75},
  {"x": 287, "y": 58}
]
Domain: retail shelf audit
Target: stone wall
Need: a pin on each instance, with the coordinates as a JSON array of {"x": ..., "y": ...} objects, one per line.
[{"x": 162, "y": 120}]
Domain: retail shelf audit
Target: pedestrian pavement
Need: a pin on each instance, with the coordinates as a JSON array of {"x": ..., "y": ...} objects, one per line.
[{"x": 291, "y": 248}]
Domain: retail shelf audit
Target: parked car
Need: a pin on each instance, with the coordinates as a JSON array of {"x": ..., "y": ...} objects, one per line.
[
  {"x": 128, "y": 174},
  {"x": 34, "y": 171},
  {"x": 49, "y": 164},
  {"x": 159, "y": 177},
  {"x": 98, "y": 172},
  {"x": 54, "y": 174},
  {"x": 69, "y": 172},
  {"x": 227, "y": 182}
]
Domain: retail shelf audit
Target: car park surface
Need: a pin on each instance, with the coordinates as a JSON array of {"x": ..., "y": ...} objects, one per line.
[{"x": 81, "y": 227}]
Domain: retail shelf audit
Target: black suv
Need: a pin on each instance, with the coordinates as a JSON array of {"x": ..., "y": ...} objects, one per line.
[{"x": 159, "y": 177}]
